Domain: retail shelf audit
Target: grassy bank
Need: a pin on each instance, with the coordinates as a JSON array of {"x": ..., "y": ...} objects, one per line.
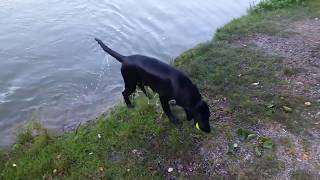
[{"x": 247, "y": 87}]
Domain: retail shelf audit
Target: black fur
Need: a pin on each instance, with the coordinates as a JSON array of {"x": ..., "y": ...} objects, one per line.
[{"x": 167, "y": 81}]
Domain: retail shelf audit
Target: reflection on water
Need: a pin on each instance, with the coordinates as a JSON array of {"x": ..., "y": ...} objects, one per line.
[{"x": 51, "y": 66}]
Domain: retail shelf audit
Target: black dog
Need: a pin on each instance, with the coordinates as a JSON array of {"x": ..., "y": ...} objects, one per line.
[{"x": 167, "y": 81}]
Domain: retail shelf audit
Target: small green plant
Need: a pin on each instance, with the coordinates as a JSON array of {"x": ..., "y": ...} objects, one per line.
[
  {"x": 290, "y": 71},
  {"x": 276, "y": 4},
  {"x": 245, "y": 134}
]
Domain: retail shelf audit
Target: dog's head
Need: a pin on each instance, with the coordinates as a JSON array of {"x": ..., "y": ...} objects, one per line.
[{"x": 202, "y": 115}]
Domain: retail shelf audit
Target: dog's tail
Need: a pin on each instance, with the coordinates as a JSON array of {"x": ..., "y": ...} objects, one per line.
[{"x": 114, "y": 54}]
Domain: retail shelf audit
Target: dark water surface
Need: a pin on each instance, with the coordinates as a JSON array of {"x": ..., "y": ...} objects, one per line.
[{"x": 51, "y": 67}]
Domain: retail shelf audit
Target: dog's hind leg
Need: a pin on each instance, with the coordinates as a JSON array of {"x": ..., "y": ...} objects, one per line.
[
  {"x": 130, "y": 86},
  {"x": 166, "y": 108},
  {"x": 129, "y": 89}
]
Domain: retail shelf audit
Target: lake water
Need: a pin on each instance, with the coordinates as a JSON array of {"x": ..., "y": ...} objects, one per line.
[{"x": 52, "y": 69}]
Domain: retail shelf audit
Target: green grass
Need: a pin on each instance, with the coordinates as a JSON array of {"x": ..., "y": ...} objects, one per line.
[
  {"x": 221, "y": 70},
  {"x": 141, "y": 143},
  {"x": 130, "y": 139},
  {"x": 277, "y": 4}
]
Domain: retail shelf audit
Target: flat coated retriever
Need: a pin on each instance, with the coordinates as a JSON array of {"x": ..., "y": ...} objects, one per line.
[{"x": 168, "y": 82}]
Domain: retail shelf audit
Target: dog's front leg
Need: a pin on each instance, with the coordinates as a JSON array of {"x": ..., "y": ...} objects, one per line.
[
  {"x": 166, "y": 108},
  {"x": 189, "y": 114}
]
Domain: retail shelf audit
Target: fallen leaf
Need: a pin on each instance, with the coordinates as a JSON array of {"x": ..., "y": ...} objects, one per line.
[
  {"x": 231, "y": 149},
  {"x": 287, "y": 109},
  {"x": 251, "y": 136},
  {"x": 267, "y": 144},
  {"x": 244, "y": 134},
  {"x": 305, "y": 156},
  {"x": 258, "y": 150}
]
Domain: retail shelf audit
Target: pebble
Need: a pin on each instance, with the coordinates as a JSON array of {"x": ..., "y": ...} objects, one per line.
[
  {"x": 235, "y": 145},
  {"x": 307, "y": 103}
]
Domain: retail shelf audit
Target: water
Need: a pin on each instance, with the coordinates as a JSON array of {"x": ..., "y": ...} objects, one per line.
[{"x": 51, "y": 68}]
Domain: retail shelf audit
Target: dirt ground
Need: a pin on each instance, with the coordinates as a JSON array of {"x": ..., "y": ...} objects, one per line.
[{"x": 299, "y": 44}]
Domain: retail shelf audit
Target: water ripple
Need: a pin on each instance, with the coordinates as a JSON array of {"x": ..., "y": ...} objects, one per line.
[{"x": 52, "y": 67}]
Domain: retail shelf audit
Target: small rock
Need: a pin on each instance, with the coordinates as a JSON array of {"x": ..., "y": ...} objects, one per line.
[
  {"x": 180, "y": 167},
  {"x": 247, "y": 157},
  {"x": 128, "y": 170},
  {"x": 235, "y": 145},
  {"x": 170, "y": 169},
  {"x": 316, "y": 19},
  {"x": 54, "y": 171},
  {"x": 307, "y": 103},
  {"x": 256, "y": 84},
  {"x": 101, "y": 169}
]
